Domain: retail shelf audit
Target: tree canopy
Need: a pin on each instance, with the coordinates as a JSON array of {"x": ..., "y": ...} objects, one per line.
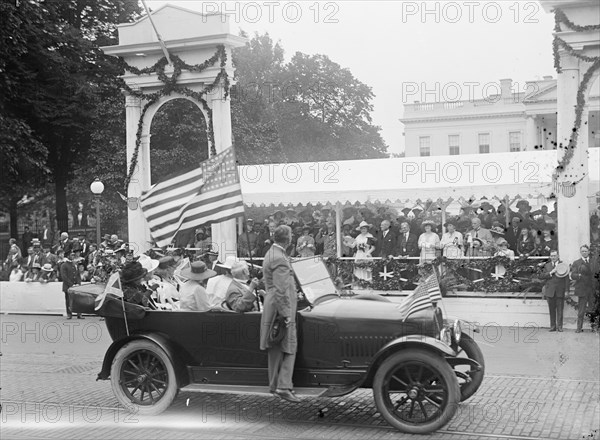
[{"x": 62, "y": 112}]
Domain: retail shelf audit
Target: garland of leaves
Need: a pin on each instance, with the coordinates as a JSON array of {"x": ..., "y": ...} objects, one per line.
[
  {"x": 469, "y": 275},
  {"x": 171, "y": 86},
  {"x": 560, "y": 17}
]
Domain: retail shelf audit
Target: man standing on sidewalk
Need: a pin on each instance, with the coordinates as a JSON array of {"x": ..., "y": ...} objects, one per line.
[
  {"x": 70, "y": 277},
  {"x": 583, "y": 272},
  {"x": 555, "y": 272}
]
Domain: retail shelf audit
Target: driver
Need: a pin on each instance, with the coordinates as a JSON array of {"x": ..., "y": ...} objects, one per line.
[{"x": 241, "y": 297}]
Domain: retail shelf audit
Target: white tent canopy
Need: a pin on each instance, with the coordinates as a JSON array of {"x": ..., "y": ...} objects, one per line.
[{"x": 524, "y": 174}]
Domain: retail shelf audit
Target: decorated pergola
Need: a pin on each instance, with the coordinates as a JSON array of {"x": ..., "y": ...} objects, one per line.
[
  {"x": 577, "y": 60},
  {"x": 194, "y": 63}
]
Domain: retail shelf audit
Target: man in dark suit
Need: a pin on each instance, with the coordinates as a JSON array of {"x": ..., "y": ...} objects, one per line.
[
  {"x": 513, "y": 232},
  {"x": 70, "y": 276},
  {"x": 407, "y": 242},
  {"x": 556, "y": 285},
  {"x": 583, "y": 272},
  {"x": 280, "y": 299},
  {"x": 387, "y": 241}
]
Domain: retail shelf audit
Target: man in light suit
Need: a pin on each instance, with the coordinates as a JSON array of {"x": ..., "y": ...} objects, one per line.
[
  {"x": 482, "y": 234},
  {"x": 554, "y": 291},
  {"x": 280, "y": 299},
  {"x": 387, "y": 241},
  {"x": 583, "y": 272}
]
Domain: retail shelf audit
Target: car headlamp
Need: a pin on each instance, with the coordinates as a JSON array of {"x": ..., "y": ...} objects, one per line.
[
  {"x": 457, "y": 329},
  {"x": 445, "y": 336}
]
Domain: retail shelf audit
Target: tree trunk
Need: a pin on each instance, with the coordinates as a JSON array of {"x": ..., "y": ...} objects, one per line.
[
  {"x": 62, "y": 210},
  {"x": 84, "y": 214},
  {"x": 75, "y": 214},
  {"x": 12, "y": 211}
]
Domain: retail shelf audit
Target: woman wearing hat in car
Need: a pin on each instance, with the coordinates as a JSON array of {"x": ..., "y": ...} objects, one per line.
[
  {"x": 557, "y": 283},
  {"x": 194, "y": 296},
  {"x": 428, "y": 242},
  {"x": 134, "y": 291}
]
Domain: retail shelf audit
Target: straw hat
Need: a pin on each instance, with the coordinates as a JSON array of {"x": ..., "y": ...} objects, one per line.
[
  {"x": 47, "y": 267},
  {"x": 198, "y": 271},
  {"x": 230, "y": 260},
  {"x": 562, "y": 269},
  {"x": 148, "y": 263},
  {"x": 364, "y": 224},
  {"x": 428, "y": 222}
]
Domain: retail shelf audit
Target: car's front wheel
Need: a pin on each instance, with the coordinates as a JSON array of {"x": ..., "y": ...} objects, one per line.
[
  {"x": 416, "y": 391},
  {"x": 143, "y": 378},
  {"x": 469, "y": 378}
]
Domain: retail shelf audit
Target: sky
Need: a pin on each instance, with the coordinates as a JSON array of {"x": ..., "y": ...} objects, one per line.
[{"x": 407, "y": 51}]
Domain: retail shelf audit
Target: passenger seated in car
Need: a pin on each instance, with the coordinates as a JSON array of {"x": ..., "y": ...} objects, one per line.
[
  {"x": 217, "y": 286},
  {"x": 194, "y": 296},
  {"x": 240, "y": 296}
]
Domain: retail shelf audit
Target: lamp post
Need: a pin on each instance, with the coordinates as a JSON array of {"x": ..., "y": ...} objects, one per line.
[{"x": 97, "y": 188}]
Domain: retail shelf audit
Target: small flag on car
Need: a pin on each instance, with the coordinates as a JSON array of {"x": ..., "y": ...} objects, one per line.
[
  {"x": 113, "y": 286},
  {"x": 422, "y": 298}
]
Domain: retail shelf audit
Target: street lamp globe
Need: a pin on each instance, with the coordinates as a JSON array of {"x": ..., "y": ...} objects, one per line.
[{"x": 97, "y": 187}]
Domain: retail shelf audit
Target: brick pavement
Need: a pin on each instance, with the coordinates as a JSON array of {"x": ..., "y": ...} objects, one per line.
[{"x": 505, "y": 406}]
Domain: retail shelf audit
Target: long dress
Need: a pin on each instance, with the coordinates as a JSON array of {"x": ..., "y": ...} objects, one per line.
[
  {"x": 363, "y": 252},
  {"x": 428, "y": 243}
]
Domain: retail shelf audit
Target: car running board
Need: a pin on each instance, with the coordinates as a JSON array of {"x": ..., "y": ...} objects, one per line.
[{"x": 248, "y": 389}]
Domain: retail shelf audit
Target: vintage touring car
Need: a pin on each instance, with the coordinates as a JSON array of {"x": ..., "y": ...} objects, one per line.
[{"x": 419, "y": 366}]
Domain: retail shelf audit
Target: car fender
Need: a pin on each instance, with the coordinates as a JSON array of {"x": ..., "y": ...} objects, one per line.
[
  {"x": 410, "y": 341},
  {"x": 177, "y": 360}
]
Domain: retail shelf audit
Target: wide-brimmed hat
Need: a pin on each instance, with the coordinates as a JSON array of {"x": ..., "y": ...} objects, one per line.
[
  {"x": 562, "y": 269},
  {"x": 364, "y": 224},
  {"x": 148, "y": 263},
  {"x": 497, "y": 230},
  {"x": 230, "y": 260},
  {"x": 210, "y": 252},
  {"x": 132, "y": 271},
  {"x": 198, "y": 271},
  {"x": 428, "y": 222},
  {"x": 47, "y": 267},
  {"x": 450, "y": 222},
  {"x": 479, "y": 240},
  {"x": 166, "y": 262}
]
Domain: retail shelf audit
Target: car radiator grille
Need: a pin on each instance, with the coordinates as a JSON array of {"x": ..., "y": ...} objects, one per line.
[{"x": 362, "y": 346}]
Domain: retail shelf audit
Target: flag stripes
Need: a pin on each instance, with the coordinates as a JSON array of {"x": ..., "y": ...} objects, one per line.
[
  {"x": 209, "y": 193},
  {"x": 422, "y": 298}
]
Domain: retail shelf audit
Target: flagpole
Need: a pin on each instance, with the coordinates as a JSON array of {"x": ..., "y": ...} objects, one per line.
[
  {"x": 160, "y": 41},
  {"x": 125, "y": 315}
]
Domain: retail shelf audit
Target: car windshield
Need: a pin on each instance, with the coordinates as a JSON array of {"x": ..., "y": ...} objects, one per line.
[{"x": 314, "y": 278}]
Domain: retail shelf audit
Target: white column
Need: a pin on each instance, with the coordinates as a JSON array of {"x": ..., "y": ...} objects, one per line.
[
  {"x": 572, "y": 234},
  {"x": 138, "y": 231},
  {"x": 531, "y": 133},
  {"x": 223, "y": 233}
]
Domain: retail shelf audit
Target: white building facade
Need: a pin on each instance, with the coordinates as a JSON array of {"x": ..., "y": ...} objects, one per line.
[{"x": 507, "y": 122}]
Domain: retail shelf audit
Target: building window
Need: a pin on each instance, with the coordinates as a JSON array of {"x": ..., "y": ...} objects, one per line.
[
  {"x": 514, "y": 140},
  {"x": 424, "y": 146},
  {"x": 453, "y": 145},
  {"x": 484, "y": 143}
]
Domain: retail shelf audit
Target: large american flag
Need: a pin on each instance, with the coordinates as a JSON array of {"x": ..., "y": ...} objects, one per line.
[
  {"x": 210, "y": 193},
  {"x": 422, "y": 298}
]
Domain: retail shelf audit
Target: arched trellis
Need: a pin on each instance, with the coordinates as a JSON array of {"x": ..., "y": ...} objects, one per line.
[
  {"x": 200, "y": 71},
  {"x": 157, "y": 105}
]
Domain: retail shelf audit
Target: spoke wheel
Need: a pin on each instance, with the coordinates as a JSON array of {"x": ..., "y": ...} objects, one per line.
[
  {"x": 143, "y": 378},
  {"x": 416, "y": 391},
  {"x": 469, "y": 379}
]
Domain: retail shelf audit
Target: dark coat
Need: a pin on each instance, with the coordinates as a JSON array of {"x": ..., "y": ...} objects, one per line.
[
  {"x": 513, "y": 238},
  {"x": 280, "y": 298},
  {"x": 554, "y": 285},
  {"x": 387, "y": 245},
  {"x": 583, "y": 274},
  {"x": 525, "y": 247},
  {"x": 410, "y": 247},
  {"x": 69, "y": 275}
]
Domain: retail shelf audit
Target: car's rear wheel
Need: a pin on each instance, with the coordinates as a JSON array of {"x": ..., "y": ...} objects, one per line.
[
  {"x": 469, "y": 378},
  {"x": 143, "y": 378},
  {"x": 416, "y": 391}
]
